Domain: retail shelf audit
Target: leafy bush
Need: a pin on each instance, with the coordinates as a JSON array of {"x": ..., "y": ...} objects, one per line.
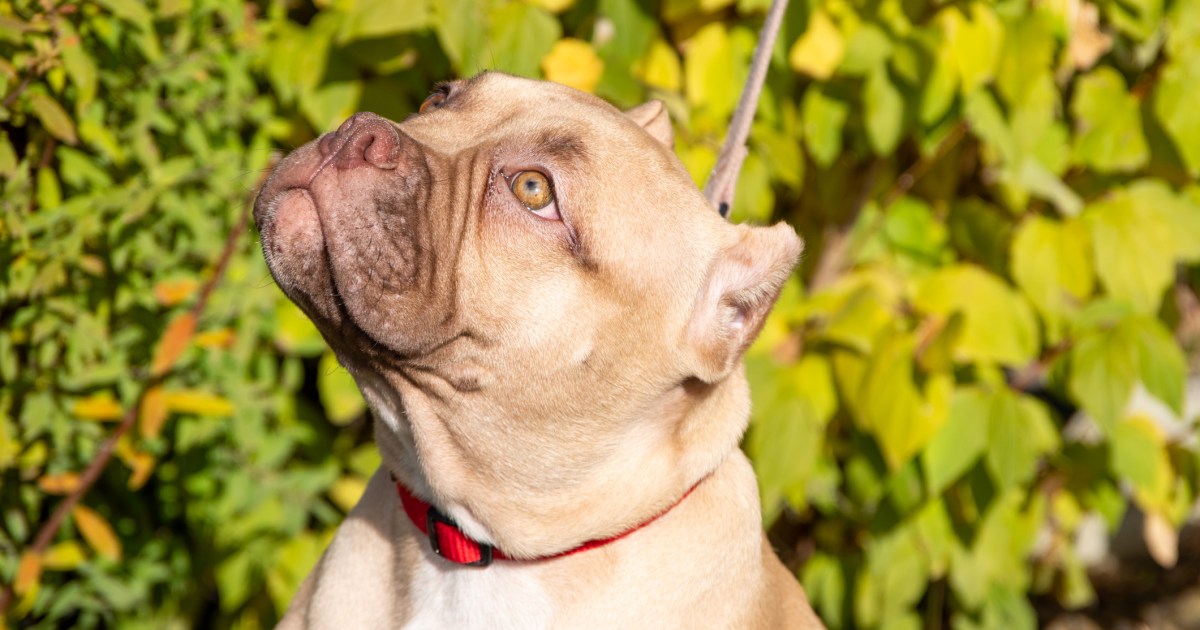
[{"x": 1003, "y": 227}]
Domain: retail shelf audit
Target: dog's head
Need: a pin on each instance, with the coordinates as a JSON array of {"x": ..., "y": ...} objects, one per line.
[{"x": 533, "y": 295}]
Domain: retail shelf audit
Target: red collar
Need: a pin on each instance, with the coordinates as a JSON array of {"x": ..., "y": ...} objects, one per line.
[{"x": 449, "y": 542}]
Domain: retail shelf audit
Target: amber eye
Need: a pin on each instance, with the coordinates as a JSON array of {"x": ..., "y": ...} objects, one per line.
[
  {"x": 532, "y": 189},
  {"x": 433, "y": 101}
]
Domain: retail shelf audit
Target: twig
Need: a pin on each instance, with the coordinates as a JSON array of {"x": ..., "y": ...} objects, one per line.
[
  {"x": 721, "y": 183},
  {"x": 1030, "y": 375},
  {"x": 837, "y": 239},
  {"x": 91, "y": 474}
]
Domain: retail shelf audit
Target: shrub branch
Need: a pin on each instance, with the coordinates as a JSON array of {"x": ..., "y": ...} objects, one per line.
[{"x": 104, "y": 453}]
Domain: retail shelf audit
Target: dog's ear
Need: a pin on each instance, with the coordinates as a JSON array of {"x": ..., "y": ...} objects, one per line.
[
  {"x": 653, "y": 117},
  {"x": 743, "y": 281}
]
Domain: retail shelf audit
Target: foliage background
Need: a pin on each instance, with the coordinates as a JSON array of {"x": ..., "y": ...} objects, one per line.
[{"x": 979, "y": 369}]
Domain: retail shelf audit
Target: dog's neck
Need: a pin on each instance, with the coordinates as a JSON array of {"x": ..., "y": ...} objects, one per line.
[{"x": 708, "y": 429}]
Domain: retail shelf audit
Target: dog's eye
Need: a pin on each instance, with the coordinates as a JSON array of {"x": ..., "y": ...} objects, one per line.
[
  {"x": 433, "y": 101},
  {"x": 533, "y": 189}
]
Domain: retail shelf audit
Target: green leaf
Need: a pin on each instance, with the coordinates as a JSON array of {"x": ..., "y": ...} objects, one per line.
[
  {"x": 911, "y": 227},
  {"x": 867, "y": 50},
  {"x": 54, "y": 118},
  {"x": 1174, "y": 103},
  {"x": 1179, "y": 212},
  {"x": 1133, "y": 249},
  {"x": 998, "y": 323},
  {"x": 823, "y": 117},
  {"x": 635, "y": 28},
  {"x": 380, "y": 18},
  {"x": 130, "y": 11},
  {"x": 1103, "y": 373},
  {"x": 339, "y": 393},
  {"x": 997, "y": 554},
  {"x": 902, "y": 416},
  {"x": 1162, "y": 366},
  {"x": 1138, "y": 453},
  {"x": 973, "y": 41},
  {"x": 1051, "y": 263},
  {"x": 335, "y": 99},
  {"x": 520, "y": 36},
  {"x": 1029, "y": 47},
  {"x": 939, "y": 88},
  {"x": 294, "y": 333},
  {"x": 958, "y": 444},
  {"x": 1108, "y": 123},
  {"x": 461, "y": 27},
  {"x": 79, "y": 66},
  {"x": 1017, "y": 432},
  {"x": 825, "y": 584},
  {"x": 884, "y": 111}
]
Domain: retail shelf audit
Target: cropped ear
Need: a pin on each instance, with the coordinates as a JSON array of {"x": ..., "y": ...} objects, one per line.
[
  {"x": 653, "y": 117},
  {"x": 742, "y": 284}
]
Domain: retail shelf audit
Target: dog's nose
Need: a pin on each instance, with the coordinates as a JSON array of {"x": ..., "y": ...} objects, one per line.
[{"x": 364, "y": 139}]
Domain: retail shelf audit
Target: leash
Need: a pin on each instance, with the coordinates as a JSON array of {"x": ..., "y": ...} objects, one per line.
[{"x": 721, "y": 183}]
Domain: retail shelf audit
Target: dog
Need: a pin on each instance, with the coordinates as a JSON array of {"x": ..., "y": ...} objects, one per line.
[{"x": 547, "y": 320}]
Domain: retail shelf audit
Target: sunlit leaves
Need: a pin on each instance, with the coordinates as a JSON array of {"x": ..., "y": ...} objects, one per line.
[
  {"x": 1133, "y": 249},
  {"x": 573, "y": 62},
  {"x": 1051, "y": 262},
  {"x": 1109, "y": 125},
  {"x": 519, "y": 36},
  {"x": 957, "y": 445},
  {"x": 378, "y": 18},
  {"x": 339, "y": 394},
  {"x": 819, "y": 50},
  {"x": 998, "y": 324},
  {"x": 823, "y": 116},
  {"x": 660, "y": 67},
  {"x": 973, "y": 39},
  {"x": 1106, "y": 364},
  {"x": 56, "y": 120},
  {"x": 709, "y": 71},
  {"x": 884, "y": 111},
  {"x": 1174, "y": 104}
]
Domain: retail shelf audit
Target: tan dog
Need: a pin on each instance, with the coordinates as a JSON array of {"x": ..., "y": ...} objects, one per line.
[{"x": 547, "y": 319}]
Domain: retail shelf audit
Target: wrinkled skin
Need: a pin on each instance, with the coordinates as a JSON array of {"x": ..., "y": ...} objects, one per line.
[{"x": 545, "y": 376}]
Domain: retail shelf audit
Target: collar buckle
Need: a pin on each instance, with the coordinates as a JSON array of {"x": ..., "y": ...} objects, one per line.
[{"x": 449, "y": 542}]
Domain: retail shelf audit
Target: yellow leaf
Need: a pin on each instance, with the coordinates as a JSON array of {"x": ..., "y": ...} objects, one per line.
[
  {"x": 153, "y": 413},
  {"x": 172, "y": 292},
  {"x": 219, "y": 338},
  {"x": 174, "y": 341},
  {"x": 139, "y": 462},
  {"x": 346, "y": 492},
  {"x": 64, "y": 556},
  {"x": 97, "y": 532},
  {"x": 101, "y": 407},
  {"x": 820, "y": 49},
  {"x": 197, "y": 402},
  {"x": 660, "y": 67},
  {"x": 29, "y": 572},
  {"x": 553, "y": 6},
  {"x": 61, "y": 483},
  {"x": 574, "y": 63}
]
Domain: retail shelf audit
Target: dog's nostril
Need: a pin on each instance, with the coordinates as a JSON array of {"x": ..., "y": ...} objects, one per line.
[{"x": 364, "y": 139}]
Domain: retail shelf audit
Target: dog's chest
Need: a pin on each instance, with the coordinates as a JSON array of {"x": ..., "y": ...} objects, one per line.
[{"x": 499, "y": 597}]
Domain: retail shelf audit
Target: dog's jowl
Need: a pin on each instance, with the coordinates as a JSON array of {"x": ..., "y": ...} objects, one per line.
[{"x": 547, "y": 320}]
